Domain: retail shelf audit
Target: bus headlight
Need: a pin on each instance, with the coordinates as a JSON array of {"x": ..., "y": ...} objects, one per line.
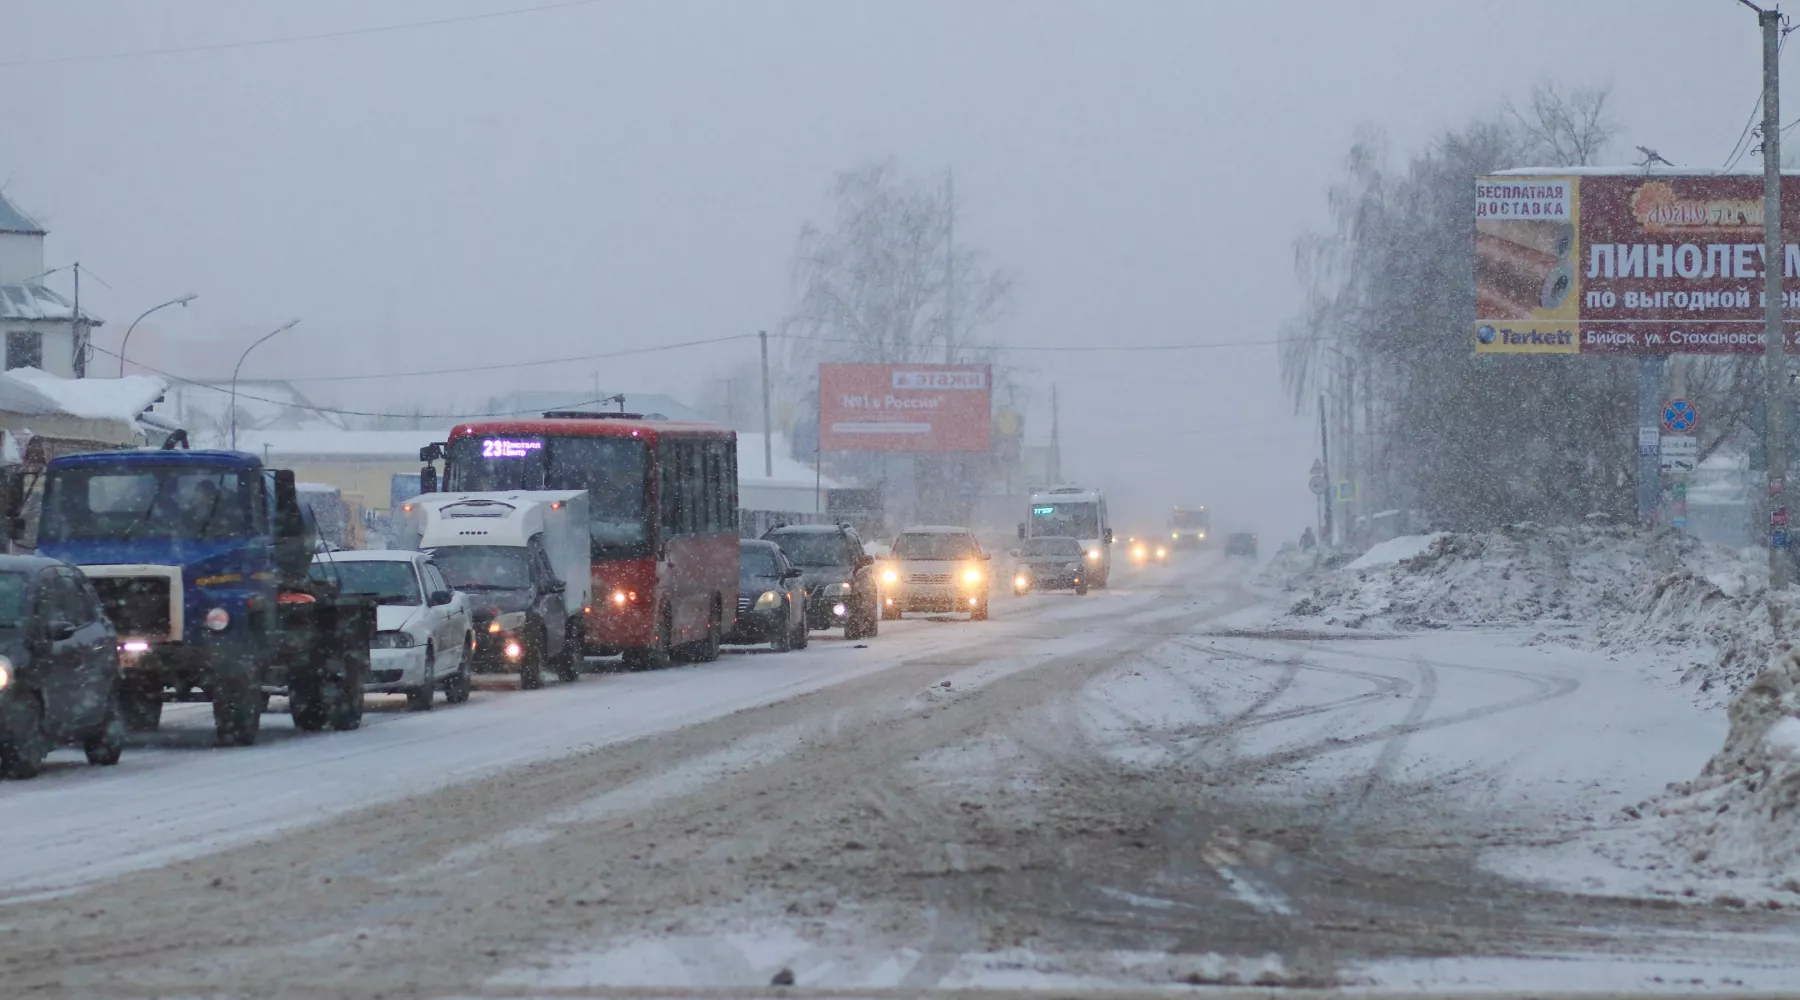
[{"x": 768, "y": 601}]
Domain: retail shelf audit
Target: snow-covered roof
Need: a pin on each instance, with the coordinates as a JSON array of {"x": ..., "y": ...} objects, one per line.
[
  {"x": 788, "y": 470},
  {"x": 14, "y": 221},
  {"x": 18, "y": 396},
  {"x": 367, "y": 445},
  {"x": 31, "y": 301},
  {"x": 121, "y": 399}
]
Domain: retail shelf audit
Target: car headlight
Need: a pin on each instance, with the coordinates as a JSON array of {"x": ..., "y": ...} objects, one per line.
[
  {"x": 511, "y": 620},
  {"x": 847, "y": 587},
  {"x": 971, "y": 575},
  {"x": 1200, "y": 535},
  {"x": 1022, "y": 581},
  {"x": 768, "y": 601},
  {"x": 890, "y": 576},
  {"x": 6, "y": 672},
  {"x": 217, "y": 620},
  {"x": 1094, "y": 554},
  {"x": 392, "y": 640},
  {"x": 1161, "y": 552},
  {"x": 1175, "y": 535},
  {"x": 1072, "y": 566}
]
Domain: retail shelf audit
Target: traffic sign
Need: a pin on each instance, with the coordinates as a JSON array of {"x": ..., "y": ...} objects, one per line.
[
  {"x": 1679, "y": 416},
  {"x": 1680, "y": 453},
  {"x": 1346, "y": 491},
  {"x": 1678, "y": 489},
  {"x": 1778, "y": 538},
  {"x": 1776, "y": 485},
  {"x": 1316, "y": 484},
  {"x": 1778, "y": 517},
  {"x": 1318, "y": 468},
  {"x": 1647, "y": 441}
]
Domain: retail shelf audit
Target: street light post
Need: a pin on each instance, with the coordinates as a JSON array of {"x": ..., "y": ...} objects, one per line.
[
  {"x": 289, "y": 325},
  {"x": 183, "y": 301}
]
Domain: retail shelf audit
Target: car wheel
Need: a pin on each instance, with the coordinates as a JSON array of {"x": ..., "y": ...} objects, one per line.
[
  {"x": 456, "y": 689},
  {"x": 22, "y": 749},
  {"x": 783, "y": 639},
  {"x": 803, "y": 631},
  {"x": 140, "y": 705},
  {"x": 420, "y": 699},
  {"x": 107, "y": 744},
  {"x": 237, "y": 711}
]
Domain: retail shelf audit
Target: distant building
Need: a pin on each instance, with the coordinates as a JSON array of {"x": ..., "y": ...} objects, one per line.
[
  {"x": 204, "y": 408},
  {"x": 537, "y": 402},
  {"x": 40, "y": 326}
]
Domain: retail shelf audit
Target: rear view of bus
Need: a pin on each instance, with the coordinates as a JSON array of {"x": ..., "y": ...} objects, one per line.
[
  {"x": 662, "y": 507},
  {"x": 1190, "y": 527}
]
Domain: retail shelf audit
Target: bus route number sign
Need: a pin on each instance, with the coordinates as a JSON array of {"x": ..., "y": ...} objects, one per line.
[{"x": 507, "y": 448}]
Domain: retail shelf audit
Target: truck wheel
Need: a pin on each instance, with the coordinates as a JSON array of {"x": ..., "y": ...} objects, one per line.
[
  {"x": 531, "y": 667},
  {"x": 306, "y": 705},
  {"x": 22, "y": 749},
  {"x": 568, "y": 663},
  {"x": 106, "y": 745},
  {"x": 237, "y": 711},
  {"x": 140, "y": 706},
  {"x": 420, "y": 699},
  {"x": 344, "y": 696}
]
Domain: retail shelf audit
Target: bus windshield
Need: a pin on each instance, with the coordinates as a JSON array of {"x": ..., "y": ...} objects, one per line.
[
  {"x": 1072, "y": 520},
  {"x": 612, "y": 470}
]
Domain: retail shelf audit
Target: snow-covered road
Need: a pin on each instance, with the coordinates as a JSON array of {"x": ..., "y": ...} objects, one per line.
[{"x": 1144, "y": 787}]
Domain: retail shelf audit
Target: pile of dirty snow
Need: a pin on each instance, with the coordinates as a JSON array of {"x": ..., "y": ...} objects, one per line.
[
  {"x": 1742, "y": 814},
  {"x": 1714, "y": 625},
  {"x": 1519, "y": 574}
]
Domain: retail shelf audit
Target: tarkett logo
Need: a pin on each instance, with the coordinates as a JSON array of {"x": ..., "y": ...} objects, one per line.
[{"x": 1534, "y": 338}]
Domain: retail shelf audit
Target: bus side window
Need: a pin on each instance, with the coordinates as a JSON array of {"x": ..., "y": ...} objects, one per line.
[
  {"x": 693, "y": 489},
  {"x": 667, "y": 460},
  {"x": 715, "y": 487},
  {"x": 731, "y": 486}
]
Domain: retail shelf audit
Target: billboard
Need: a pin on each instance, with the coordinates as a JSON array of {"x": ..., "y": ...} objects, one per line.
[
  {"x": 1637, "y": 263},
  {"x": 904, "y": 407}
]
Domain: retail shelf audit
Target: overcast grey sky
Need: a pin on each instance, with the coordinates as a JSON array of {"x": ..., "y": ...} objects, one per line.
[{"x": 623, "y": 173}]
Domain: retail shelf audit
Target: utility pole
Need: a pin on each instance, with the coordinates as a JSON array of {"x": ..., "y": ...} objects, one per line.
[
  {"x": 1325, "y": 460},
  {"x": 1774, "y": 336},
  {"x": 949, "y": 269},
  {"x": 1055, "y": 443},
  {"x": 79, "y": 361},
  {"x": 768, "y": 439}
]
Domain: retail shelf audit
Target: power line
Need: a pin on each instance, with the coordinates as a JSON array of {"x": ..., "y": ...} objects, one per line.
[
  {"x": 1090, "y": 348},
  {"x": 1743, "y": 148},
  {"x": 291, "y": 39},
  {"x": 524, "y": 364}
]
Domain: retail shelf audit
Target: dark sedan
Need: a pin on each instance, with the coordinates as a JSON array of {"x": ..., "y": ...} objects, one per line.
[
  {"x": 771, "y": 603},
  {"x": 1050, "y": 563},
  {"x": 841, "y": 587},
  {"x": 59, "y": 667}
]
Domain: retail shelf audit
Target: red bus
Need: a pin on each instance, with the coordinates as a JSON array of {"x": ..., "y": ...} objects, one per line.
[{"x": 663, "y": 519}]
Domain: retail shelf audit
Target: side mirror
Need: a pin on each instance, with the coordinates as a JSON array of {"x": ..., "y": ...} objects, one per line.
[
  {"x": 428, "y": 479},
  {"x": 293, "y": 554},
  {"x": 1109, "y": 536},
  {"x": 1021, "y": 529},
  {"x": 864, "y": 560},
  {"x": 439, "y": 598},
  {"x": 985, "y": 556},
  {"x": 15, "y": 527},
  {"x": 791, "y": 574},
  {"x": 556, "y": 587},
  {"x": 61, "y": 631}
]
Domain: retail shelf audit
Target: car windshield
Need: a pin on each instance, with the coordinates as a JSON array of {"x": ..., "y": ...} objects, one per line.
[
  {"x": 816, "y": 548},
  {"x": 757, "y": 562},
  {"x": 163, "y": 501},
  {"x": 611, "y": 469},
  {"x": 1051, "y": 547},
  {"x": 484, "y": 567},
  {"x": 1071, "y": 520},
  {"x": 389, "y": 581},
  {"x": 13, "y": 611},
  {"x": 935, "y": 545}
]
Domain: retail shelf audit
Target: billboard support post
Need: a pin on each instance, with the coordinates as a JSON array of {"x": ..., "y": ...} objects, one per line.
[
  {"x": 768, "y": 433},
  {"x": 1774, "y": 336},
  {"x": 1649, "y": 412}
]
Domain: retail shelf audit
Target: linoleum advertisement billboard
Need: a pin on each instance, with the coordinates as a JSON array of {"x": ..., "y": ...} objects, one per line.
[{"x": 1626, "y": 264}]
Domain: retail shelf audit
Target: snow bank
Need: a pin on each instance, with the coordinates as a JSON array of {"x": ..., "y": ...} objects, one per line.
[
  {"x": 1396, "y": 549},
  {"x": 1520, "y": 574},
  {"x": 1742, "y": 814}
]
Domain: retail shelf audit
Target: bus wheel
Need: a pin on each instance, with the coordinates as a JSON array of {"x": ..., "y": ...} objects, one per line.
[{"x": 656, "y": 655}]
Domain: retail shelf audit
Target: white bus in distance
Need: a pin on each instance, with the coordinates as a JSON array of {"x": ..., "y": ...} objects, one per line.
[{"x": 1079, "y": 513}]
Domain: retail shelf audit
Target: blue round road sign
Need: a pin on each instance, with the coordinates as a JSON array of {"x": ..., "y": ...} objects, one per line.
[{"x": 1679, "y": 416}]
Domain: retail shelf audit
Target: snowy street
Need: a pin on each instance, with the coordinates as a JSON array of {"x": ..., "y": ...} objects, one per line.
[{"x": 1153, "y": 785}]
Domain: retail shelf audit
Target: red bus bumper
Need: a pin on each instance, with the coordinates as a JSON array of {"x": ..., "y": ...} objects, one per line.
[{"x": 623, "y": 609}]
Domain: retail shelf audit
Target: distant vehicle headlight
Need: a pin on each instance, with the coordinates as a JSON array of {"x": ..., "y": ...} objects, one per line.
[
  {"x": 1021, "y": 581},
  {"x": 392, "y": 640},
  {"x": 1201, "y": 534},
  {"x": 1161, "y": 552},
  {"x": 768, "y": 601},
  {"x": 217, "y": 620},
  {"x": 1175, "y": 535},
  {"x": 971, "y": 575},
  {"x": 890, "y": 576}
]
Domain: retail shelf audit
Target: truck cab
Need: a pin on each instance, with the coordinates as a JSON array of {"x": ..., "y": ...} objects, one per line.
[{"x": 200, "y": 559}]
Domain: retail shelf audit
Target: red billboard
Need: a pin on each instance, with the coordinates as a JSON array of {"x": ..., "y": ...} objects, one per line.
[
  {"x": 904, "y": 407},
  {"x": 1627, "y": 263}
]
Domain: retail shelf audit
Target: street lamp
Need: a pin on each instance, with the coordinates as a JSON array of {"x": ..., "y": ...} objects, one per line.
[
  {"x": 289, "y": 325},
  {"x": 183, "y": 301}
]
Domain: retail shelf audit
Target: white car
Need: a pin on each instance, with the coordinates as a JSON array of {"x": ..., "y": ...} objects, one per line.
[
  {"x": 422, "y": 635},
  {"x": 936, "y": 569}
]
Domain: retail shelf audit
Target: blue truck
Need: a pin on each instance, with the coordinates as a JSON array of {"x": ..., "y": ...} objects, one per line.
[{"x": 201, "y": 560}]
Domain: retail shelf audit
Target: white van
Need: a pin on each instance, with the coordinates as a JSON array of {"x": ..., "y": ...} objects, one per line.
[
  {"x": 1079, "y": 513},
  {"x": 523, "y": 559}
]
